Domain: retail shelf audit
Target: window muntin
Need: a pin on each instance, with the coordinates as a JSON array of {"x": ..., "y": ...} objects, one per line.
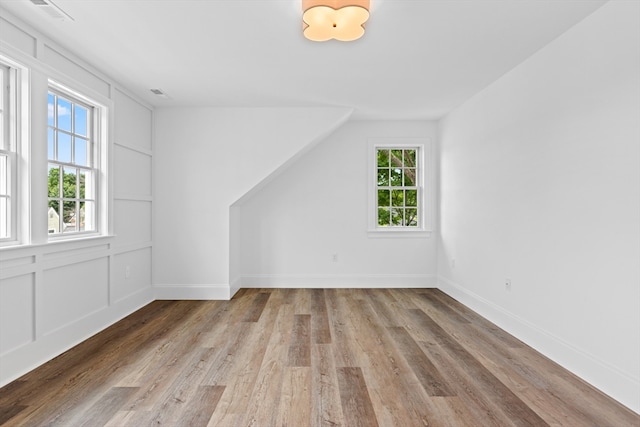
[
  {"x": 73, "y": 172},
  {"x": 397, "y": 187}
]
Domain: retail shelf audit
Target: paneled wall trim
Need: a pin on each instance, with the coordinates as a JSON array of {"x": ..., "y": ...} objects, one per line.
[{"x": 55, "y": 295}]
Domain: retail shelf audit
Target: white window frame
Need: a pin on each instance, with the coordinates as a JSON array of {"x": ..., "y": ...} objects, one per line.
[
  {"x": 15, "y": 125},
  {"x": 424, "y": 182},
  {"x": 99, "y": 125}
]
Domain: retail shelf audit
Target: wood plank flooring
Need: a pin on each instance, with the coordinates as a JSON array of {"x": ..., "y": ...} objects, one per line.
[{"x": 306, "y": 357}]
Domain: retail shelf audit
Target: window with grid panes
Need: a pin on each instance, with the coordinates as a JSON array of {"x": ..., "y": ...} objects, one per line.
[
  {"x": 8, "y": 158},
  {"x": 73, "y": 173},
  {"x": 397, "y": 188}
]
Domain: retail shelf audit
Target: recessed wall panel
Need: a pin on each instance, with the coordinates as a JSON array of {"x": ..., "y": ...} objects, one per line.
[
  {"x": 132, "y": 121},
  {"x": 131, "y": 273},
  {"x": 17, "y": 38},
  {"x": 71, "y": 292},
  {"x": 132, "y": 221},
  {"x": 133, "y": 177},
  {"x": 75, "y": 71},
  {"x": 16, "y": 312}
]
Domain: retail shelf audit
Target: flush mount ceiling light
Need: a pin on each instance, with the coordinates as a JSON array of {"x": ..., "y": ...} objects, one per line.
[{"x": 342, "y": 20}]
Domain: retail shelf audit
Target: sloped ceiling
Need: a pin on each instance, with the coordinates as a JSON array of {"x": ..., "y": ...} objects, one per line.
[{"x": 417, "y": 60}]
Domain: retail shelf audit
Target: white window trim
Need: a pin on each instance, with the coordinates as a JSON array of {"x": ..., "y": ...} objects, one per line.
[
  {"x": 103, "y": 195},
  {"x": 19, "y": 134},
  {"x": 425, "y": 185},
  {"x": 33, "y": 81}
]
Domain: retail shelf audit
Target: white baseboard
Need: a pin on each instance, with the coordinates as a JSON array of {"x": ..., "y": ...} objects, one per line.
[
  {"x": 338, "y": 281},
  {"x": 235, "y": 286},
  {"x": 611, "y": 381},
  {"x": 192, "y": 292},
  {"x": 21, "y": 360}
]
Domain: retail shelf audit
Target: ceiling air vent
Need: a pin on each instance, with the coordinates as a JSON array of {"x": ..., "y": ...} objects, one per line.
[
  {"x": 52, "y": 9},
  {"x": 159, "y": 93}
]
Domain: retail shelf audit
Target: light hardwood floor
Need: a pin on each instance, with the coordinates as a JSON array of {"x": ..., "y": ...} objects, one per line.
[{"x": 306, "y": 357}]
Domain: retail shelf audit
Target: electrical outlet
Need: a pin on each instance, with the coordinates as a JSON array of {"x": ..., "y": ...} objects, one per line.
[
  {"x": 127, "y": 272},
  {"x": 507, "y": 284}
]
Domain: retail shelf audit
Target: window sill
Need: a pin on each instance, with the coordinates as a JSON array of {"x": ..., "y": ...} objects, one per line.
[
  {"x": 80, "y": 237},
  {"x": 398, "y": 233},
  {"x": 66, "y": 243}
]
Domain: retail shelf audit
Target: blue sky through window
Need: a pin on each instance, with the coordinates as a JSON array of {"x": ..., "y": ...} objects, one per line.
[
  {"x": 67, "y": 121},
  {"x": 80, "y": 122}
]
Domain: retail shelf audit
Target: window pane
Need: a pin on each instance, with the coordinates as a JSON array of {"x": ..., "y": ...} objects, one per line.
[
  {"x": 4, "y": 218},
  {"x": 69, "y": 216},
  {"x": 81, "y": 223},
  {"x": 51, "y": 145},
  {"x": 87, "y": 216},
  {"x": 397, "y": 216},
  {"x": 54, "y": 181},
  {"x": 85, "y": 180},
  {"x": 410, "y": 158},
  {"x": 80, "y": 121},
  {"x": 383, "y": 198},
  {"x": 4, "y": 175},
  {"x": 64, "y": 148},
  {"x": 54, "y": 216},
  {"x": 411, "y": 198},
  {"x": 383, "y": 216},
  {"x": 409, "y": 177},
  {"x": 396, "y": 158},
  {"x": 396, "y": 177},
  {"x": 80, "y": 152},
  {"x": 411, "y": 217},
  {"x": 383, "y": 158},
  {"x": 69, "y": 183},
  {"x": 64, "y": 114},
  {"x": 397, "y": 198},
  {"x": 383, "y": 177},
  {"x": 51, "y": 109}
]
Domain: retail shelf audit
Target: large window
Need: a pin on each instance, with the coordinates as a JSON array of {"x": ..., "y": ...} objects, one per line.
[
  {"x": 73, "y": 170},
  {"x": 8, "y": 158},
  {"x": 68, "y": 167}
]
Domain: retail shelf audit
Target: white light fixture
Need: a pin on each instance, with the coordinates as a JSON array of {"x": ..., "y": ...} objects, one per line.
[{"x": 342, "y": 20}]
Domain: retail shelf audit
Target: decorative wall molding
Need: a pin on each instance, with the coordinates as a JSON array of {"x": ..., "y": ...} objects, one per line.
[
  {"x": 40, "y": 282},
  {"x": 18, "y": 361}
]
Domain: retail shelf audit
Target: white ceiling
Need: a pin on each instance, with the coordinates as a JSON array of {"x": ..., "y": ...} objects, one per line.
[{"x": 417, "y": 60}]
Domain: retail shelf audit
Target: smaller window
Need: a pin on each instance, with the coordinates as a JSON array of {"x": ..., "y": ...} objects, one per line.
[
  {"x": 397, "y": 187},
  {"x": 399, "y": 197},
  {"x": 73, "y": 171}
]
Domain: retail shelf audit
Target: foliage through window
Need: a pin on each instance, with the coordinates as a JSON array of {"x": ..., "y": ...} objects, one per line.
[
  {"x": 397, "y": 188},
  {"x": 72, "y": 172}
]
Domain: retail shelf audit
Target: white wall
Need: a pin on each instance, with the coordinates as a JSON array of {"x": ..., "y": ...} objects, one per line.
[
  {"x": 205, "y": 160},
  {"x": 540, "y": 183},
  {"x": 54, "y": 295},
  {"x": 318, "y": 207}
]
